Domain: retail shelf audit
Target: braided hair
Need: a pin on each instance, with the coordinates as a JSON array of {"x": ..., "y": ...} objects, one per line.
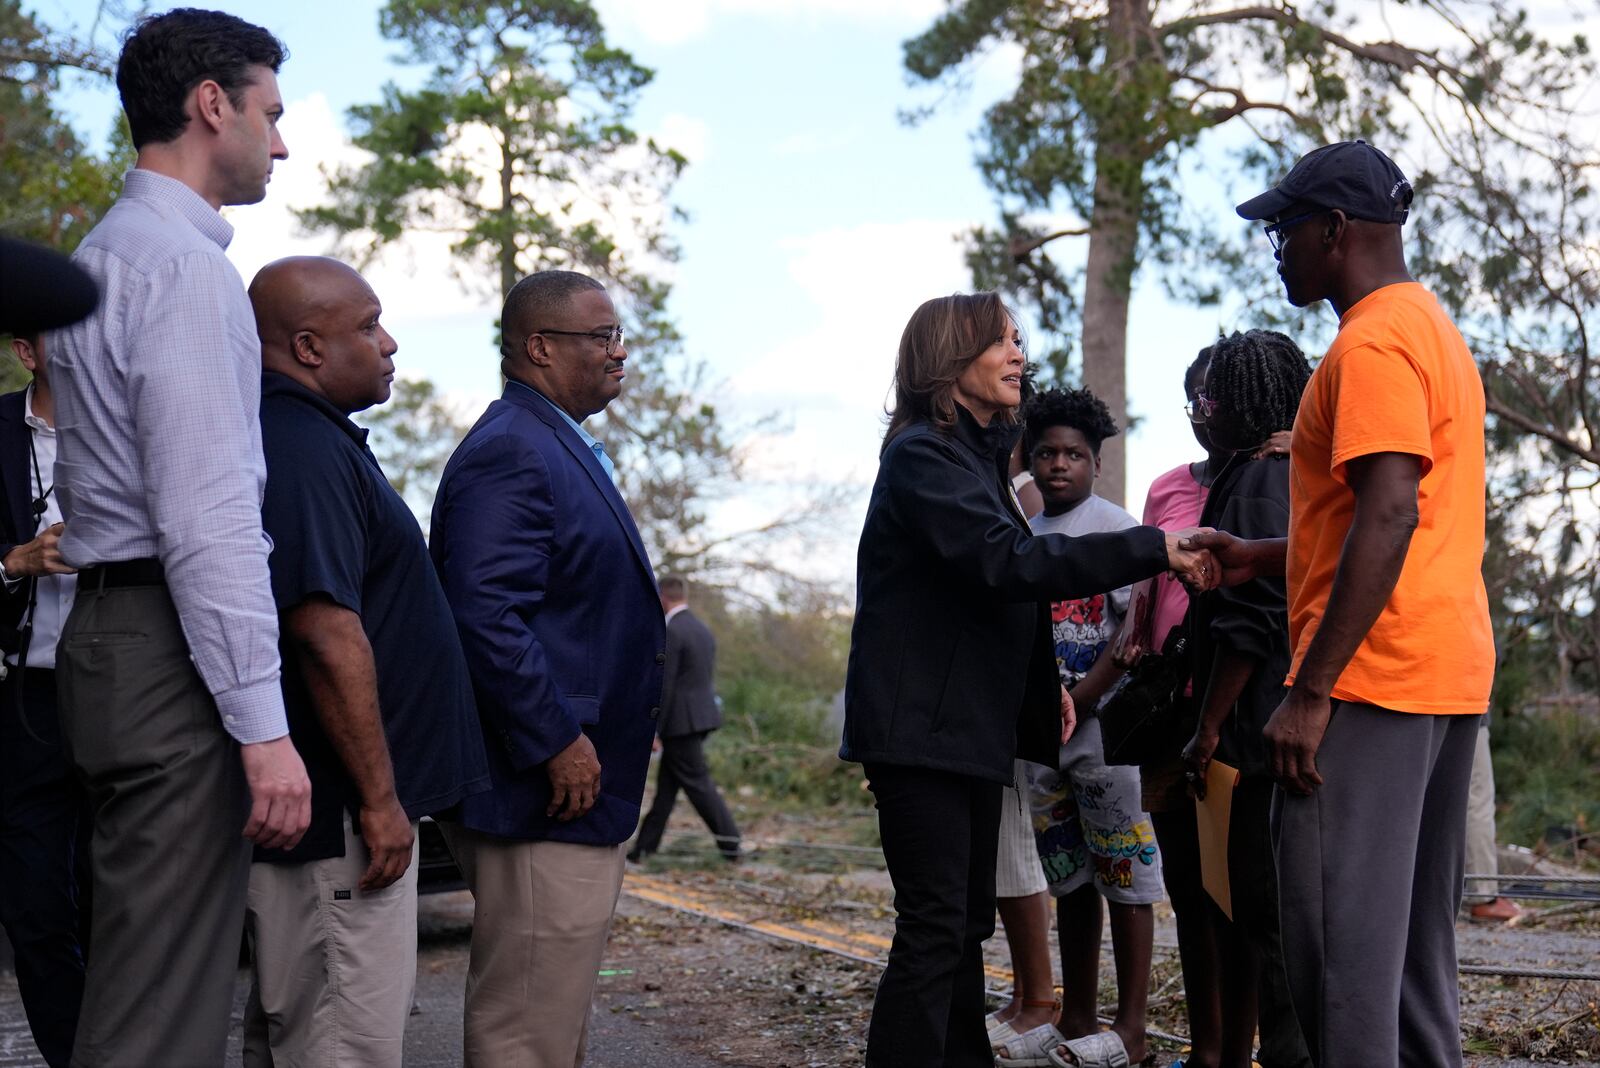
[
  {"x": 1196, "y": 374},
  {"x": 1256, "y": 379},
  {"x": 1076, "y": 408}
]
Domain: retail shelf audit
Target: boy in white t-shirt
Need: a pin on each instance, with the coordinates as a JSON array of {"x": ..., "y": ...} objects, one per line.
[{"x": 1094, "y": 840}]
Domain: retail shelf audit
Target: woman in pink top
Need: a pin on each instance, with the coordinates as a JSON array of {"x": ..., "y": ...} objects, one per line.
[
  {"x": 1175, "y": 501},
  {"x": 1180, "y": 494}
]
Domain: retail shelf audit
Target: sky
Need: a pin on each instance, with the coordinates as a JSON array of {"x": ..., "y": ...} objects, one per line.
[{"x": 817, "y": 222}]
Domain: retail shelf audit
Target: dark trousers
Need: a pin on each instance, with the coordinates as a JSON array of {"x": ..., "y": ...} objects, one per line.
[
  {"x": 684, "y": 767},
  {"x": 170, "y": 866},
  {"x": 1369, "y": 875},
  {"x": 940, "y": 835},
  {"x": 1253, "y": 879},
  {"x": 41, "y": 811}
]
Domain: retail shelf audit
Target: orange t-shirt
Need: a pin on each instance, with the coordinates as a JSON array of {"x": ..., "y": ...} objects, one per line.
[{"x": 1398, "y": 378}]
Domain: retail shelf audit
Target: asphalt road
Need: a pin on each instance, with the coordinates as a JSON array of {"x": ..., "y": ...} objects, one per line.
[{"x": 617, "y": 1038}]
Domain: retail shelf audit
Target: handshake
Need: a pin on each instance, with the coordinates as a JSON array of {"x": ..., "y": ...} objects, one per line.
[{"x": 1203, "y": 558}]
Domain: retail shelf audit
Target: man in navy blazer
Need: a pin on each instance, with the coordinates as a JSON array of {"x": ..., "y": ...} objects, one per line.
[{"x": 556, "y": 605}]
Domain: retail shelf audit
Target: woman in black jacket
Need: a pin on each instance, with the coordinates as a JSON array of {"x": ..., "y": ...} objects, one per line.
[
  {"x": 1240, "y": 642},
  {"x": 951, "y": 669}
]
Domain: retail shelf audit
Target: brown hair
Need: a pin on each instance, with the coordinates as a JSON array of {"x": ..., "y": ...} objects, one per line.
[{"x": 943, "y": 337}]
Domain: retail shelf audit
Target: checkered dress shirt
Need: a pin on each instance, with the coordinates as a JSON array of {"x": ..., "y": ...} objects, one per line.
[{"x": 159, "y": 452}]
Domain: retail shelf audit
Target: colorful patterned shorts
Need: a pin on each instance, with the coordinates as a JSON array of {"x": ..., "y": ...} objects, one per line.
[{"x": 1088, "y": 824}]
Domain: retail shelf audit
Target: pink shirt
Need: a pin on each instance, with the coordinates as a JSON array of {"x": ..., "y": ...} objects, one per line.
[{"x": 1174, "y": 502}]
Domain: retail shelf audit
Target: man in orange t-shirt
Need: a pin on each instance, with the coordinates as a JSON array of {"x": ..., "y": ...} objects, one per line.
[{"x": 1393, "y": 654}]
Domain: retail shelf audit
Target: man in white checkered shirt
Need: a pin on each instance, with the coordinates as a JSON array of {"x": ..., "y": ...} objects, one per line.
[{"x": 170, "y": 699}]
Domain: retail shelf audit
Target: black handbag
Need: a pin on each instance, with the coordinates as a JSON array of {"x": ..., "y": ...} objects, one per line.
[{"x": 1144, "y": 718}]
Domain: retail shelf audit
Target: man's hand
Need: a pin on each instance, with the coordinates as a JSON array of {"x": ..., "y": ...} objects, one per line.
[
  {"x": 1236, "y": 559},
  {"x": 387, "y": 832},
  {"x": 1197, "y": 759},
  {"x": 1069, "y": 715},
  {"x": 41, "y": 556},
  {"x": 574, "y": 780},
  {"x": 1277, "y": 445},
  {"x": 280, "y": 793},
  {"x": 1191, "y": 564},
  {"x": 1293, "y": 736}
]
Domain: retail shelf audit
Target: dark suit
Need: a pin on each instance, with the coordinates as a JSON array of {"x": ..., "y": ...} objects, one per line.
[
  {"x": 41, "y": 802},
  {"x": 689, "y": 712},
  {"x": 557, "y": 609}
]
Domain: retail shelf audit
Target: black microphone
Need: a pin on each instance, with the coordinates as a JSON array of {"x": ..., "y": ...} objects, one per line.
[{"x": 38, "y": 507}]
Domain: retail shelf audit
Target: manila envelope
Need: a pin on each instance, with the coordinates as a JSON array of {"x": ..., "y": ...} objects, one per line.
[{"x": 1211, "y": 819}]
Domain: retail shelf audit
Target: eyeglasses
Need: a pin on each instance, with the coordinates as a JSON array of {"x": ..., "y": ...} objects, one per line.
[
  {"x": 612, "y": 337},
  {"x": 1275, "y": 230},
  {"x": 1200, "y": 409}
]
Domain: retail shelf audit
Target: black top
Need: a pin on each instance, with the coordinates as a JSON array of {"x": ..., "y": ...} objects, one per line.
[
  {"x": 688, "y": 694},
  {"x": 41, "y": 289},
  {"x": 951, "y": 665},
  {"x": 340, "y": 530},
  {"x": 18, "y": 524},
  {"x": 1250, "y": 500}
]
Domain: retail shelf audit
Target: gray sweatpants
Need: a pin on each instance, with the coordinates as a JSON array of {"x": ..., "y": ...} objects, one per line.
[{"x": 1369, "y": 876}]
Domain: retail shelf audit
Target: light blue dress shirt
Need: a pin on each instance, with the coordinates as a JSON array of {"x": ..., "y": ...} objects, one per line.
[{"x": 595, "y": 445}]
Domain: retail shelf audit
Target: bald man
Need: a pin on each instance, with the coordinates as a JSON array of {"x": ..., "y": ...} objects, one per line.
[{"x": 374, "y": 682}]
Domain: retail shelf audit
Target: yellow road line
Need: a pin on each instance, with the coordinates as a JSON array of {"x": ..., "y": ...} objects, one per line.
[{"x": 819, "y": 934}]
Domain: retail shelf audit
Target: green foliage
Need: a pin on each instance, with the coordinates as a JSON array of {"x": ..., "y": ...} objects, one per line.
[
  {"x": 13, "y": 376},
  {"x": 413, "y": 436},
  {"x": 1545, "y": 768},
  {"x": 519, "y": 147},
  {"x": 53, "y": 189},
  {"x": 778, "y": 672},
  {"x": 1096, "y": 139}
]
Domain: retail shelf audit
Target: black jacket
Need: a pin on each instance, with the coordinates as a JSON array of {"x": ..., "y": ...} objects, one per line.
[
  {"x": 16, "y": 513},
  {"x": 688, "y": 696},
  {"x": 951, "y": 665},
  {"x": 1250, "y": 500}
]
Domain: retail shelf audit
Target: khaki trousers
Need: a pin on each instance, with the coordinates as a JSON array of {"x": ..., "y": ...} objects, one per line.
[
  {"x": 1482, "y": 857},
  {"x": 335, "y": 967},
  {"x": 541, "y": 916}
]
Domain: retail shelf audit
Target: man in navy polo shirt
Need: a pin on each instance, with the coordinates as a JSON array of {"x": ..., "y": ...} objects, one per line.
[{"x": 376, "y": 687}]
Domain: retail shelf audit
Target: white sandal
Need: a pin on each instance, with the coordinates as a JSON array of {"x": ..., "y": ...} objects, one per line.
[
  {"x": 1103, "y": 1049},
  {"x": 1030, "y": 1049}
]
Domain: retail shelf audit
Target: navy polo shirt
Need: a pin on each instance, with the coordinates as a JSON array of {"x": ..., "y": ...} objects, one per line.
[{"x": 340, "y": 530}]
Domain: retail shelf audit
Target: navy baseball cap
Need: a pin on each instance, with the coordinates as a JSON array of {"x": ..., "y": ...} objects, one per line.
[{"x": 1350, "y": 175}]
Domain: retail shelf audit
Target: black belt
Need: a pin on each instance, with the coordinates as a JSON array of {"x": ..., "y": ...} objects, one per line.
[{"x": 146, "y": 572}]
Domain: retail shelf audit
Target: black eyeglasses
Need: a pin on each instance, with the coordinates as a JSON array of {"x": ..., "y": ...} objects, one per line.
[
  {"x": 612, "y": 337},
  {"x": 1274, "y": 230},
  {"x": 1200, "y": 409}
]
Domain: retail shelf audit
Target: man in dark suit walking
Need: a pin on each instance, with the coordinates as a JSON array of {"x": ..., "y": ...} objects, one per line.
[
  {"x": 689, "y": 712},
  {"x": 555, "y": 602},
  {"x": 41, "y": 802}
]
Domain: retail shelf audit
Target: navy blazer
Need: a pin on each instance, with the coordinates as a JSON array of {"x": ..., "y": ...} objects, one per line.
[
  {"x": 17, "y": 520},
  {"x": 558, "y": 613}
]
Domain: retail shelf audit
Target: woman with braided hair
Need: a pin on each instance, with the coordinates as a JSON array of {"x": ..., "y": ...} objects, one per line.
[{"x": 1240, "y": 646}]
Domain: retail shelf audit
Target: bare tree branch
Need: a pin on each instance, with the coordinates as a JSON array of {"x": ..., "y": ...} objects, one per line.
[{"x": 1549, "y": 433}]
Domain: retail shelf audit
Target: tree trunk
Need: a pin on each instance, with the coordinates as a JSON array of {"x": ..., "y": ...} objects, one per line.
[
  {"x": 1113, "y": 241},
  {"x": 508, "y": 241}
]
